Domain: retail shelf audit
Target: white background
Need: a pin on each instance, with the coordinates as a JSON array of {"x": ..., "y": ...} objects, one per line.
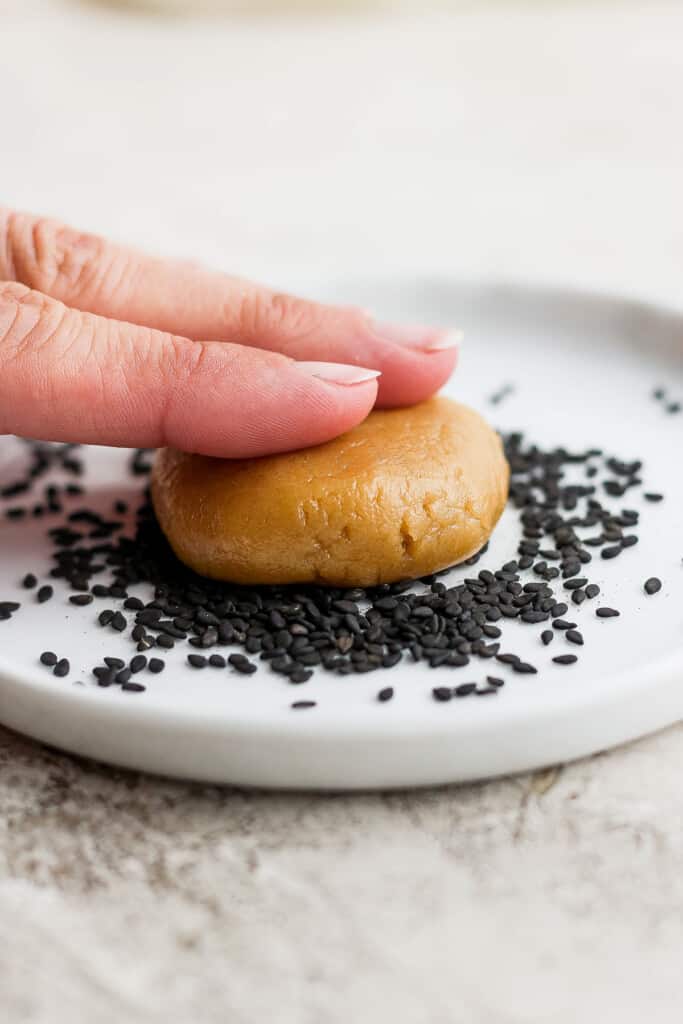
[{"x": 540, "y": 142}]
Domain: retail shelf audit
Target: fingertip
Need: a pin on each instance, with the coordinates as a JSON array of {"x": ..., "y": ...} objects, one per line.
[
  {"x": 327, "y": 408},
  {"x": 410, "y": 376}
]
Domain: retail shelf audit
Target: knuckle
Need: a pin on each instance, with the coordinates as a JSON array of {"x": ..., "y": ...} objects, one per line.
[
  {"x": 50, "y": 257},
  {"x": 11, "y": 292},
  {"x": 269, "y": 314},
  {"x": 183, "y": 361},
  {"x": 29, "y": 323},
  {"x": 180, "y": 372}
]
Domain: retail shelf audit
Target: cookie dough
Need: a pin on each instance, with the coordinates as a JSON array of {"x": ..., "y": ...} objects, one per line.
[{"x": 405, "y": 493}]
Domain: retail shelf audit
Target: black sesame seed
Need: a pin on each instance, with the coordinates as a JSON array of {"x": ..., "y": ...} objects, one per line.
[
  {"x": 563, "y": 624},
  {"x": 123, "y": 676},
  {"x": 137, "y": 663},
  {"x": 464, "y": 689},
  {"x": 114, "y": 662},
  {"x": 385, "y": 694},
  {"x": 242, "y": 664},
  {"x": 574, "y": 637},
  {"x": 611, "y": 552},
  {"x": 534, "y": 617},
  {"x": 62, "y": 668},
  {"x": 301, "y": 705},
  {"x": 575, "y": 584},
  {"x": 547, "y": 636},
  {"x": 48, "y": 658},
  {"x": 156, "y": 665},
  {"x": 196, "y": 660},
  {"x": 653, "y": 585},
  {"x": 118, "y": 622},
  {"x": 653, "y": 496},
  {"x": 606, "y": 613},
  {"x": 14, "y": 490},
  {"x": 565, "y": 659},
  {"x": 44, "y": 593},
  {"x": 495, "y": 681},
  {"x": 29, "y": 581},
  {"x": 592, "y": 590},
  {"x": 442, "y": 693},
  {"x": 300, "y": 675},
  {"x": 81, "y": 599},
  {"x": 104, "y": 676},
  {"x": 133, "y": 687}
]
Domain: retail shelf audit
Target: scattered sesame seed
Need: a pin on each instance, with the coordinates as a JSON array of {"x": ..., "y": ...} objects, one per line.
[{"x": 442, "y": 693}]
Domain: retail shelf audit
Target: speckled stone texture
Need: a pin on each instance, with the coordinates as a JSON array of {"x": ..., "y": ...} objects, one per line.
[{"x": 551, "y": 897}]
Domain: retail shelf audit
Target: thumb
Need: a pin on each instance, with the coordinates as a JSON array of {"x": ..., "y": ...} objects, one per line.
[{"x": 72, "y": 376}]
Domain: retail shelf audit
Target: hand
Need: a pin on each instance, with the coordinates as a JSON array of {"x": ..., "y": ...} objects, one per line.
[{"x": 103, "y": 345}]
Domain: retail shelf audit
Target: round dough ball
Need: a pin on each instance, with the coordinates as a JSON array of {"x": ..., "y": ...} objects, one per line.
[{"x": 405, "y": 493}]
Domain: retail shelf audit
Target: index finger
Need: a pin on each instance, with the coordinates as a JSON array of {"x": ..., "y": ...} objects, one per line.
[{"x": 88, "y": 273}]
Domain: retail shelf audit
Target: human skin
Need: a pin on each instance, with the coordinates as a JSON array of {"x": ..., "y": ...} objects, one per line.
[{"x": 101, "y": 344}]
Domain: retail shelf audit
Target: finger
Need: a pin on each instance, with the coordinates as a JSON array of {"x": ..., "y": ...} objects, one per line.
[
  {"x": 72, "y": 376},
  {"x": 90, "y": 274}
]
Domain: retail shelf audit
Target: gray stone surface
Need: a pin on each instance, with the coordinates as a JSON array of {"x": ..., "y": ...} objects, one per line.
[{"x": 554, "y": 897}]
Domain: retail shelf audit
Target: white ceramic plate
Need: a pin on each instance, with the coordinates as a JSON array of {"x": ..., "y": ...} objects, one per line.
[{"x": 584, "y": 368}]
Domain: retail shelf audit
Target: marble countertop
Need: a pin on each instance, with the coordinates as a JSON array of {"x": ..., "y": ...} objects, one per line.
[{"x": 540, "y": 143}]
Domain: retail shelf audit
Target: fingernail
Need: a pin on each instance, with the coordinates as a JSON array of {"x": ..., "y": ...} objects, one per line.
[
  {"x": 424, "y": 339},
  {"x": 339, "y": 373}
]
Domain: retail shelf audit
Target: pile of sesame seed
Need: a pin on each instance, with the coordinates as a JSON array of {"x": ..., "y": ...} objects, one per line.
[{"x": 296, "y": 630}]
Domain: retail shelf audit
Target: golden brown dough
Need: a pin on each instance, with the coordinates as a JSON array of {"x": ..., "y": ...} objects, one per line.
[{"x": 406, "y": 493}]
